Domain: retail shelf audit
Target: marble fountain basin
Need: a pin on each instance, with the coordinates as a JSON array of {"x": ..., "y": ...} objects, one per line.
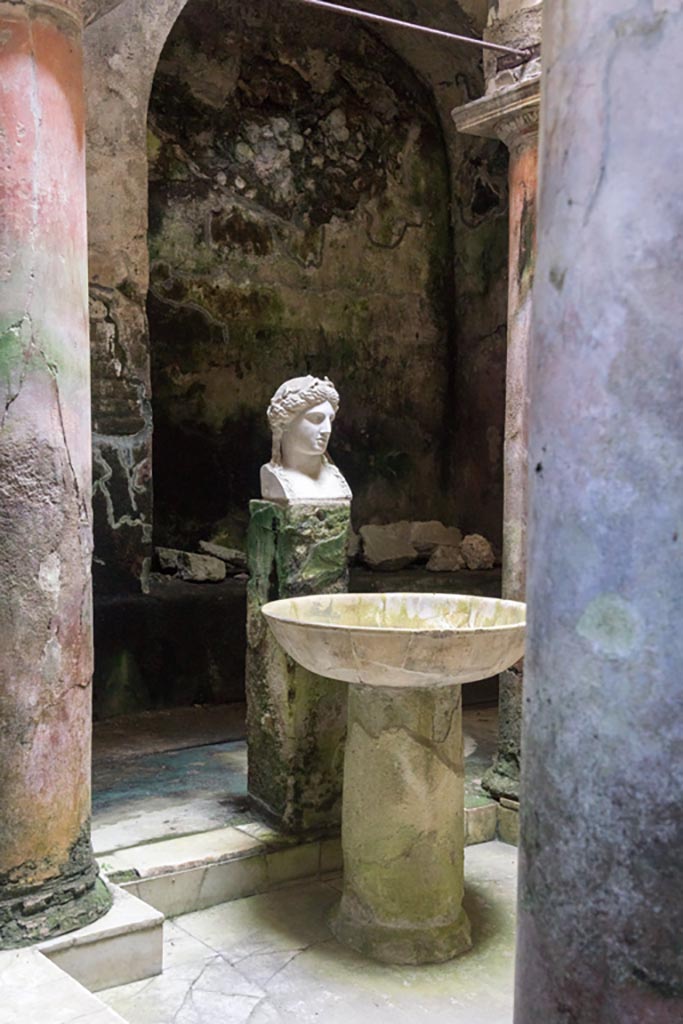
[
  {"x": 403, "y": 656},
  {"x": 400, "y": 640}
]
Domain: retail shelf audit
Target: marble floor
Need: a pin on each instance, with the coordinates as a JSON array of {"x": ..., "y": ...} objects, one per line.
[
  {"x": 183, "y": 771},
  {"x": 270, "y": 959}
]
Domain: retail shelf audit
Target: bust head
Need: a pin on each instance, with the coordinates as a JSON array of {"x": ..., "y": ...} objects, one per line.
[
  {"x": 302, "y": 407},
  {"x": 301, "y": 414}
]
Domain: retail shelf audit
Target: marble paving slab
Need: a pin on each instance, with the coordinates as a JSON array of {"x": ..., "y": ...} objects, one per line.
[{"x": 270, "y": 959}]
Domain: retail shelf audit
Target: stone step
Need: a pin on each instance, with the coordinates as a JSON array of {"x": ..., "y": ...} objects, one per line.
[
  {"x": 37, "y": 991},
  {"x": 194, "y": 872},
  {"x": 123, "y": 946}
]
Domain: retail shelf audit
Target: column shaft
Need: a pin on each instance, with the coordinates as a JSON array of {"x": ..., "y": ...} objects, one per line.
[
  {"x": 47, "y": 871},
  {"x": 510, "y": 113},
  {"x": 601, "y": 913},
  {"x": 503, "y": 778}
]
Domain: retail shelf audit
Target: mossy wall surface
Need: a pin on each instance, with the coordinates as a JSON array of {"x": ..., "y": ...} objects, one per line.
[
  {"x": 269, "y": 312},
  {"x": 299, "y": 222}
]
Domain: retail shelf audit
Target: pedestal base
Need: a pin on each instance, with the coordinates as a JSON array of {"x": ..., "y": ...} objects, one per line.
[
  {"x": 403, "y": 826},
  {"x": 400, "y": 944}
]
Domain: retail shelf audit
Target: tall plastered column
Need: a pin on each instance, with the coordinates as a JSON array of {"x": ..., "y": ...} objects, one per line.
[
  {"x": 511, "y": 115},
  {"x": 48, "y": 877},
  {"x": 601, "y": 905}
]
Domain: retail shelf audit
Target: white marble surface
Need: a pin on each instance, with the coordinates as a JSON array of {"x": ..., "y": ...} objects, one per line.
[
  {"x": 394, "y": 640},
  {"x": 301, "y": 415},
  {"x": 34, "y": 991},
  {"x": 182, "y": 852},
  {"x": 123, "y": 946},
  {"x": 269, "y": 959}
]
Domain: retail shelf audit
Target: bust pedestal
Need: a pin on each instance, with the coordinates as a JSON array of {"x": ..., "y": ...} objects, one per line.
[{"x": 296, "y": 720}]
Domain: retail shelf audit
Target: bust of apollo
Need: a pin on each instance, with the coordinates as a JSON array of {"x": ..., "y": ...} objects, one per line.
[{"x": 301, "y": 414}]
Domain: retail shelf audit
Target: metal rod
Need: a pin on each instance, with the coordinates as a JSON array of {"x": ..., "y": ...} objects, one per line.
[{"x": 369, "y": 16}]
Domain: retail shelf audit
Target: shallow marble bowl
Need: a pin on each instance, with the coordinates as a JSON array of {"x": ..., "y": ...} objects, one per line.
[{"x": 400, "y": 639}]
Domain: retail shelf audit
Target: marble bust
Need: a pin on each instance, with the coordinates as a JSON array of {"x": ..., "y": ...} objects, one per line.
[{"x": 301, "y": 414}]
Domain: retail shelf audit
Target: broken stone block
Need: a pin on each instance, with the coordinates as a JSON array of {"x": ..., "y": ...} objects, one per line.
[
  {"x": 353, "y": 547},
  {"x": 235, "y": 560},
  {"x": 477, "y": 552},
  {"x": 446, "y": 558},
  {"x": 428, "y": 536},
  {"x": 388, "y": 547},
  {"x": 191, "y": 567}
]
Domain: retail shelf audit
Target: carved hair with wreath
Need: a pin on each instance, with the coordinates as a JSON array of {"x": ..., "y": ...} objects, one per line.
[{"x": 291, "y": 399}]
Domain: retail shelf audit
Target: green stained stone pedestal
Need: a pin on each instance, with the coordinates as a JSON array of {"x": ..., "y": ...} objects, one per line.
[{"x": 296, "y": 720}]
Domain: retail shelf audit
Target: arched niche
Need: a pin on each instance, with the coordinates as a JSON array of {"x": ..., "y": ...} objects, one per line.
[
  {"x": 123, "y": 43},
  {"x": 299, "y": 221}
]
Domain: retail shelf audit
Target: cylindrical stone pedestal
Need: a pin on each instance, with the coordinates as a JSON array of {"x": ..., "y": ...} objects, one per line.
[
  {"x": 403, "y": 826},
  {"x": 600, "y": 933},
  {"x": 48, "y": 876}
]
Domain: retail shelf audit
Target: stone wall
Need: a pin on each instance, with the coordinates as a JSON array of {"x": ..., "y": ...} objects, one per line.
[
  {"x": 123, "y": 44},
  {"x": 462, "y": 322},
  {"x": 299, "y": 222}
]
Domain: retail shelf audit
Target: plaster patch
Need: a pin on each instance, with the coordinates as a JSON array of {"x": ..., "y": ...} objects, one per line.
[
  {"x": 52, "y": 660},
  {"x": 49, "y": 575},
  {"x": 611, "y": 626}
]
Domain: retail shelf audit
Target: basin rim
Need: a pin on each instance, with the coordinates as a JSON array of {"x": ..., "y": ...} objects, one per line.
[{"x": 270, "y": 610}]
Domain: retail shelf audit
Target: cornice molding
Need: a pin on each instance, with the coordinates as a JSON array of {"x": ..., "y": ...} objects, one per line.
[{"x": 510, "y": 115}]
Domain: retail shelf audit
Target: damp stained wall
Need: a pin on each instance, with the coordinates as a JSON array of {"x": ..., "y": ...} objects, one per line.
[
  {"x": 140, "y": 660},
  {"x": 123, "y": 44},
  {"x": 298, "y": 222}
]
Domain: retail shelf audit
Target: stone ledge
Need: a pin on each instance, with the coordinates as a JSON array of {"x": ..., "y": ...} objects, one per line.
[
  {"x": 508, "y": 822},
  {"x": 123, "y": 946},
  {"x": 184, "y": 874},
  {"x": 34, "y": 989}
]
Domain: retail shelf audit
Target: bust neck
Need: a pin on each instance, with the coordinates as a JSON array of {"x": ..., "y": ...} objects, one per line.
[{"x": 308, "y": 465}]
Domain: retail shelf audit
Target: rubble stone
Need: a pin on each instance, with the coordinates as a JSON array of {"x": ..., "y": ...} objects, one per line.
[
  {"x": 353, "y": 547},
  {"x": 388, "y": 547},
  {"x": 477, "y": 552},
  {"x": 191, "y": 567},
  {"x": 235, "y": 560},
  {"x": 446, "y": 558},
  {"x": 428, "y": 536}
]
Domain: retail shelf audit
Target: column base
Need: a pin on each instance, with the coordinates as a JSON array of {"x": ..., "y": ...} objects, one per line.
[
  {"x": 54, "y": 909},
  {"x": 401, "y": 943}
]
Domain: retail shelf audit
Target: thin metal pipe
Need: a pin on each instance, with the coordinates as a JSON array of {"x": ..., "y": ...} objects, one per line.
[{"x": 369, "y": 16}]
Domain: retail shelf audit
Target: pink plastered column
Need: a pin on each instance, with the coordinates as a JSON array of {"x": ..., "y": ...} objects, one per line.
[
  {"x": 48, "y": 876},
  {"x": 511, "y": 114}
]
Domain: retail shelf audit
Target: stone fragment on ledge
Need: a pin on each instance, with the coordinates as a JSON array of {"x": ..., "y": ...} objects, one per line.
[
  {"x": 429, "y": 536},
  {"x": 186, "y": 565},
  {"x": 446, "y": 558},
  {"x": 477, "y": 552},
  {"x": 353, "y": 546},
  {"x": 235, "y": 560},
  {"x": 388, "y": 547}
]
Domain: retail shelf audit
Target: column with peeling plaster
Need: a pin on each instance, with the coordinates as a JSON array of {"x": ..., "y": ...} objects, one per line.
[
  {"x": 510, "y": 112},
  {"x": 600, "y": 933},
  {"x": 48, "y": 876}
]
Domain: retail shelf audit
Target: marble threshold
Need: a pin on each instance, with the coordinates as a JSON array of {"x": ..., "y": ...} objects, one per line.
[{"x": 183, "y": 874}]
